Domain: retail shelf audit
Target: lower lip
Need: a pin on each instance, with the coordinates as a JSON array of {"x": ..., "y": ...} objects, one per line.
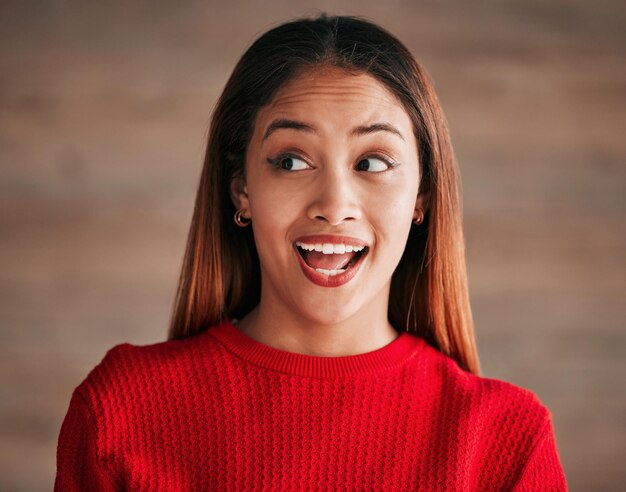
[{"x": 329, "y": 280}]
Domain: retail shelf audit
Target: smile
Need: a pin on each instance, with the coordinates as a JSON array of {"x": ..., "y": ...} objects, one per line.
[{"x": 330, "y": 261}]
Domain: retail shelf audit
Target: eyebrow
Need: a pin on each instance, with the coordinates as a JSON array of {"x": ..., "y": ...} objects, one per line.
[
  {"x": 284, "y": 123},
  {"x": 377, "y": 127}
]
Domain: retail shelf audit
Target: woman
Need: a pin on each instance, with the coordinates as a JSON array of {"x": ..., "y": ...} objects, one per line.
[{"x": 322, "y": 336}]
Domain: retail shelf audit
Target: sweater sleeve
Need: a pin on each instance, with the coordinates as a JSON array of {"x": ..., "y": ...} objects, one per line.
[
  {"x": 543, "y": 469},
  {"x": 77, "y": 460}
]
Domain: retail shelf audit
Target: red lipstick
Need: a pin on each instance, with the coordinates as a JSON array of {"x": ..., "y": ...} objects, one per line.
[{"x": 339, "y": 279}]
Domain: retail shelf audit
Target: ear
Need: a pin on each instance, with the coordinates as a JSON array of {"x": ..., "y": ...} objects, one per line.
[
  {"x": 421, "y": 203},
  {"x": 239, "y": 194}
]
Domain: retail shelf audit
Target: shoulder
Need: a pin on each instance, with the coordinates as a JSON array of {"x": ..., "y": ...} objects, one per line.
[
  {"x": 499, "y": 423},
  {"x": 493, "y": 405},
  {"x": 128, "y": 370}
]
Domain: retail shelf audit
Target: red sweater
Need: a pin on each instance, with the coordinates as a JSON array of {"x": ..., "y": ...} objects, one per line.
[{"x": 221, "y": 411}]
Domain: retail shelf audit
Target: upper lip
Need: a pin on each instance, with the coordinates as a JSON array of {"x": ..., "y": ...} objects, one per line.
[{"x": 332, "y": 239}]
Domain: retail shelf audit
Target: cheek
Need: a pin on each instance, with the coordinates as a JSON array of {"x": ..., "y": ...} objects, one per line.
[
  {"x": 391, "y": 214},
  {"x": 273, "y": 213},
  {"x": 393, "y": 205}
]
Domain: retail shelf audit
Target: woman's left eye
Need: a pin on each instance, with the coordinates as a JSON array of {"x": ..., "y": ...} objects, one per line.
[{"x": 373, "y": 164}]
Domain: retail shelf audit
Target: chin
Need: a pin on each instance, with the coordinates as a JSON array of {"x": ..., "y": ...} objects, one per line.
[{"x": 329, "y": 313}]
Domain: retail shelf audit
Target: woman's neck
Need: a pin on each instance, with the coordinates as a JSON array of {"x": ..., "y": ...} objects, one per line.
[{"x": 358, "y": 334}]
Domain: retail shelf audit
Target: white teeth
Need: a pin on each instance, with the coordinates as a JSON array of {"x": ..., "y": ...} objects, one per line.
[
  {"x": 329, "y": 248},
  {"x": 330, "y": 273}
]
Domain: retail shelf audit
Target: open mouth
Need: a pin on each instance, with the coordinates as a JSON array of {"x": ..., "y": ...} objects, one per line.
[{"x": 331, "y": 259}]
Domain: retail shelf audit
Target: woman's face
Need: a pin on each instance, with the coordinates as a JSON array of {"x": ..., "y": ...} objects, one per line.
[{"x": 332, "y": 177}]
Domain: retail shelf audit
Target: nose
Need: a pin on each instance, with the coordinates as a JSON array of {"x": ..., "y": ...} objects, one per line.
[{"x": 335, "y": 197}]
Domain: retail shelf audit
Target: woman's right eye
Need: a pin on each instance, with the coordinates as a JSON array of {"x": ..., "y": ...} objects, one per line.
[{"x": 288, "y": 163}]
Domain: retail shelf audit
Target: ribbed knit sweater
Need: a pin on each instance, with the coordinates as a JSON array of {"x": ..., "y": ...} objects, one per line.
[{"x": 221, "y": 411}]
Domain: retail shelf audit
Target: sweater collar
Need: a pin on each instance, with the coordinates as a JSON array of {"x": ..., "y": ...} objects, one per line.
[{"x": 404, "y": 347}]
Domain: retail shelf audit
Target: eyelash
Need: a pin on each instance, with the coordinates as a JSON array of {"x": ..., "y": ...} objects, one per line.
[{"x": 276, "y": 161}]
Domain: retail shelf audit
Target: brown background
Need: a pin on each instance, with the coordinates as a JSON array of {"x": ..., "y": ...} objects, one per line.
[{"x": 103, "y": 115}]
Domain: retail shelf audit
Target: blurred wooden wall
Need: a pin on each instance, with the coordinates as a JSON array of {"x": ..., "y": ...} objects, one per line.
[{"x": 104, "y": 109}]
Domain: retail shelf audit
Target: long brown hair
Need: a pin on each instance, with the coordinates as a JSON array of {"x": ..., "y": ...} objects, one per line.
[{"x": 220, "y": 275}]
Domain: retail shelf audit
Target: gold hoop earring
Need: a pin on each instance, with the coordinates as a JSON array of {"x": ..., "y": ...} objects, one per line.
[
  {"x": 238, "y": 217},
  {"x": 420, "y": 217}
]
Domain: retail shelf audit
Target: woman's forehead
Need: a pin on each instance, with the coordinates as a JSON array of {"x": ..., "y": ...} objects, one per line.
[
  {"x": 334, "y": 96},
  {"x": 334, "y": 83}
]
